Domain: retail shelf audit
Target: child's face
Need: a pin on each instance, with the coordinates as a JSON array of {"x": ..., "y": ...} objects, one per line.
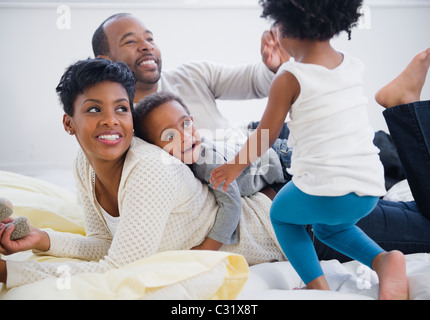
[{"x": 172, "y": 129}]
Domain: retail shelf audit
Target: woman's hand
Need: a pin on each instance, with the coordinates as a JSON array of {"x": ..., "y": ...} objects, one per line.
[
  {"x": 226, "y": 173},
  {"x": 35, "y": 240}
]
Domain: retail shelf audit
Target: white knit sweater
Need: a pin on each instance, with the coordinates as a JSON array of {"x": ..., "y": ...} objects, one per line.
[{"x": 162, "y": 207}]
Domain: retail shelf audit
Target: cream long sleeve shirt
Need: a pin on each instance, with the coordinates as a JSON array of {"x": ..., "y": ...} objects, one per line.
[{"x": 162, "y": 207}]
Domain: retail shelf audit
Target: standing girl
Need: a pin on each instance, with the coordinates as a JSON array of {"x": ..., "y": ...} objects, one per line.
[{"x": 337, "y": 174}]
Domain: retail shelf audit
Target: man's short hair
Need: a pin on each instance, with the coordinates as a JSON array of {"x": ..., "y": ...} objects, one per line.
[{"x": 100, "y": 42}]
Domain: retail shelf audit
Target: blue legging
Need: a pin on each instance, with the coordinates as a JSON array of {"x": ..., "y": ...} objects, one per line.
[{"x": 333, "y": 220}]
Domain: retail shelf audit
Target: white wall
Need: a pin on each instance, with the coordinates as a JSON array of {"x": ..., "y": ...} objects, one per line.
[{"x": 35, "y": 51}]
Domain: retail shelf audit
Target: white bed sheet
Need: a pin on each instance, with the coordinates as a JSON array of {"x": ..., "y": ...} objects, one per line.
[{"x": 347, "y": 281}]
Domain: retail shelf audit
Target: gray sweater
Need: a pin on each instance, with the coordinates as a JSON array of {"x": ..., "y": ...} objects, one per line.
[{"x": 265, "y": 171}]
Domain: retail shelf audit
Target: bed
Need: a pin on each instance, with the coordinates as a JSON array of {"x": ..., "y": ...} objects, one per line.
[{"x": 48, "y": 201}]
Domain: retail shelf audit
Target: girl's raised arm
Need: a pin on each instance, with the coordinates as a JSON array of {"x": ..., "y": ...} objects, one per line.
[{"x": 283, "y": 92}]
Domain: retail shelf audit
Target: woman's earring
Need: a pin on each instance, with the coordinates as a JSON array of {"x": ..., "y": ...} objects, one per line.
[{"x": 70, "y": 132}]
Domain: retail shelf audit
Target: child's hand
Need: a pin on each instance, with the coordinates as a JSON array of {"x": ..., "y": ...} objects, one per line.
[
  {"x": 226, "y": 173},
  {"x": 208, "y": 244}
]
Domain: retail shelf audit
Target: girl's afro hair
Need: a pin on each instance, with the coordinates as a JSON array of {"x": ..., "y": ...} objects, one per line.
[{"x": 316, "y": 20}]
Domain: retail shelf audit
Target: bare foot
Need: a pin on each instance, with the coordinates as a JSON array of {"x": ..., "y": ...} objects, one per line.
[
  {"x": 406, "y": 88},
  {"x": 391, "y": 270},
  {"x": 319, "y": 283}
]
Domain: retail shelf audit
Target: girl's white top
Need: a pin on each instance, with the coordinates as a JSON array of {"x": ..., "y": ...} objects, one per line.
[{"x": 331, "y": 137}]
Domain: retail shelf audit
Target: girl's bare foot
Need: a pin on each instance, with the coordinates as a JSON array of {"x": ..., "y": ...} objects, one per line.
[
  {"x": 319, "y": 283},
  {"x": 406, "y": 88},
  {"x": 391, "y": 270}
]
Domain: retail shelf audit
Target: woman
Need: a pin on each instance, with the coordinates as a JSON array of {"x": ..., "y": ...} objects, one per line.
[{"x": 137, "y": 201}]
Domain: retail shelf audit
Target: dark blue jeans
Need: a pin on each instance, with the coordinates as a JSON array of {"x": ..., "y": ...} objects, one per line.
[
  {"x": 409, "y": 126},
  {"x": 403, "y": 226}
]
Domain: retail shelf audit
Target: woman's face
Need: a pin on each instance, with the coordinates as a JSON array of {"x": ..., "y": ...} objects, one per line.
[{"x": 102, "y": 122}]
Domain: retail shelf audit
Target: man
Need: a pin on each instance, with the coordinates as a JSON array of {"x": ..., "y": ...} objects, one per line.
[{"x": 123, "y": 37}]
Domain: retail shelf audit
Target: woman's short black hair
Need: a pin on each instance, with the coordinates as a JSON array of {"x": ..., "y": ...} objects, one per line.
[
  {"x": 146, "y": 105},
  {"x": 316, "y": 20},
  {"x": 87, "y": 73}
]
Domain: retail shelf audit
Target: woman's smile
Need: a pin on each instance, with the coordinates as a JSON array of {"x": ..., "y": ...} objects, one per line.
[{"x": 110, "y": 138}]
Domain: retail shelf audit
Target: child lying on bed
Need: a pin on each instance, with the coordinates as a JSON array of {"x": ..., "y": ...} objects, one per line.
[{"x": 164, "y": 120}]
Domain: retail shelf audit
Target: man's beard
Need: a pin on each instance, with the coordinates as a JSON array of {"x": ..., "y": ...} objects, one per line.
[{"x": 153, "y": 78}]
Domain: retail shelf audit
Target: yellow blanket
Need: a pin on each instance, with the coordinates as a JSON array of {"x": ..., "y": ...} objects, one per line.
[{"x": 167, "y": 275}]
